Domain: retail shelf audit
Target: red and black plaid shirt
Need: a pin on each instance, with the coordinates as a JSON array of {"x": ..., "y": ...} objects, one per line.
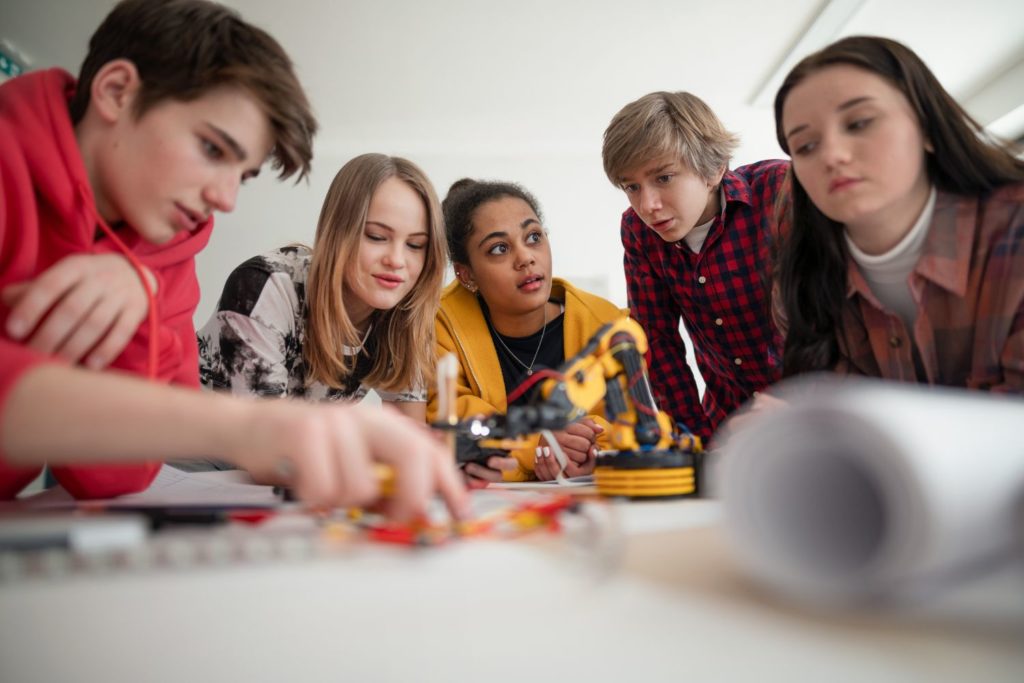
[{"x": 721, "y": 295}]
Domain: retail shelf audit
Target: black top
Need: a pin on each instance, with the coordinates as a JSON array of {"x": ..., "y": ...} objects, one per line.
[{"x": 510, "y": 349}]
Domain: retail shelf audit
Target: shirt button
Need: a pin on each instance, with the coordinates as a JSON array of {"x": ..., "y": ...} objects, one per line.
[
  {"x": 895, "y": 342},
  {"x": 702, "y": 279},
  {"x": 738, "y": 361},
  {"x": 718, "y": 321}
]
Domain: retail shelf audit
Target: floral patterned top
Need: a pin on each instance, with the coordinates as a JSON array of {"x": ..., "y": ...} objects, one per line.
[{"x": 252, "y": 345}]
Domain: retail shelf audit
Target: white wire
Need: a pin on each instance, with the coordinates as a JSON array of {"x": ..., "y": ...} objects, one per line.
[{"x": 559, "y": 456}]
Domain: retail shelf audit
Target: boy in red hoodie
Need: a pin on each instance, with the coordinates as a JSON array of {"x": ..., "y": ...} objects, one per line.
[{"x": 107, "y": 190}]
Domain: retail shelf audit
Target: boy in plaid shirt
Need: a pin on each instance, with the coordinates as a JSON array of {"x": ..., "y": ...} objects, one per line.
[{"x": 697, "y": 241}]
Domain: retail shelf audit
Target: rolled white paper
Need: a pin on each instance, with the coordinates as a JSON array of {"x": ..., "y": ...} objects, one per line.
[{"x": 865, "y": 490}]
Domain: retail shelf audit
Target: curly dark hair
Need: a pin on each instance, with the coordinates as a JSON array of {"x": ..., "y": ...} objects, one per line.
[{"x": 465, "y": 196}]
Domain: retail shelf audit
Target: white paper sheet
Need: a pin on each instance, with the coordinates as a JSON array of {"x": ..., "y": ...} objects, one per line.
[{"x": 552, "y": 486}]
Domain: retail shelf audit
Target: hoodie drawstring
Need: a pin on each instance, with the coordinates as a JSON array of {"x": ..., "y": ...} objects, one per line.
[{"x": 151, "y": 364}]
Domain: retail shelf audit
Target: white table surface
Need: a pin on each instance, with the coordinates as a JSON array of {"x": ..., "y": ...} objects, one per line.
[{"x": 659, "y": 600}]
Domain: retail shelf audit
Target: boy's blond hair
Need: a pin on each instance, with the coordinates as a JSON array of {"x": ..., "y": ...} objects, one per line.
[{"x": 660, "y": 123}]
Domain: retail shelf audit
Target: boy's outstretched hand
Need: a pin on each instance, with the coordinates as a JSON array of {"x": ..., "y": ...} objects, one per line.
[
  {"x": 84, "y": 308},
  {"x": 327, "y": 454}
]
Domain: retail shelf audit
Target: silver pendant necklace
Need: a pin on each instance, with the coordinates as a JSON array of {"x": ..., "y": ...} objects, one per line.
[{"x": 528, "y": 368}]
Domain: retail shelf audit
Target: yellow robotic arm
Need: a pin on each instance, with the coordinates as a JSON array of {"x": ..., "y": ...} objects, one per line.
[
  {"x": 611, "y": 367},
  {"x": 650, "y": 457}
]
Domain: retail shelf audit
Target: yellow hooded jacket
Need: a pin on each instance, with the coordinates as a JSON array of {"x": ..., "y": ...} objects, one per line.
[{"x": 462, "y": 330}]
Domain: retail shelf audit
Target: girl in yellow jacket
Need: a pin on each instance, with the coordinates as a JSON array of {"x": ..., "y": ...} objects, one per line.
[{"x": 505, "y": 317}]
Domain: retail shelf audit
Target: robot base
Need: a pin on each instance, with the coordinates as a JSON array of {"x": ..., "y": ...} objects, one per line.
[{"x": 649, "y": 474}]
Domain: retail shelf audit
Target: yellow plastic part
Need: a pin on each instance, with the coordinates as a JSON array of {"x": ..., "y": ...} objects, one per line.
[
  {"x": 645, "y": 483},
  {"x": 386, "y": 477}
]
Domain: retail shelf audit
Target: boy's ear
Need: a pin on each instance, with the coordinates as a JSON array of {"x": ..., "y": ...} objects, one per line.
[
  {"x": 114, "y": 89},
  {"x": 717, "y": 179}
]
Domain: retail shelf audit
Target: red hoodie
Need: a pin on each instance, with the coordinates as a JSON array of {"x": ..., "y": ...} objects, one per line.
[{"x": 48, "y": 212}]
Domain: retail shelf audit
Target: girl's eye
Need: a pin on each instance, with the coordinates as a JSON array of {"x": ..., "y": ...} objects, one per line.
[
  {"x": 630, "y": 188},
  {"x": 375, "y": 238},
  {"x": 664, "y": 178},
  {"x": 535, "y": 237},
  {"x": 417, "y": 246},
  {"x": 859, "y": 124},
  {"x": 210, "y": 149},
  {"x": 804, "y": 149},
  {"x": 498, "y": 249}
]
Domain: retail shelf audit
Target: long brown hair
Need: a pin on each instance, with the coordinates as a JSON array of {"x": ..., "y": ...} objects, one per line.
[
  {"x": 403, "y": 336},
  {"x": 811, "y": 265}
]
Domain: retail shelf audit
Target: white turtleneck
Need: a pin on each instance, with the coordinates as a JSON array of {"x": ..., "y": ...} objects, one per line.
[{"x": 888, "y": 274}]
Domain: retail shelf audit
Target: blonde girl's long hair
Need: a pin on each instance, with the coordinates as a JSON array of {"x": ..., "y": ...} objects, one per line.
[{"x": 403, "y": 336}]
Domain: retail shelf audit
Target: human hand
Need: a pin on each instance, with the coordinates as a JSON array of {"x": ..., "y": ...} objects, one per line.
[
  {"x": 327, "y": 454},
  {"x": 579, "y": 443},
  {"x": 478, "y": 476},
  {"x": 84, "y": 308}
]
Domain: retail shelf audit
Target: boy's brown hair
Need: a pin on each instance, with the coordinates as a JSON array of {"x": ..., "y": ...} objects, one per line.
[
  {"x": 185, "y": 48},
  {"x": 660, "y": 123}
]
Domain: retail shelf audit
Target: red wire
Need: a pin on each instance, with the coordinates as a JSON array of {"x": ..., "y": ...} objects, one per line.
[
  {"x": 530, "y": 381},
  {"x": 640, "y": 408}
]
